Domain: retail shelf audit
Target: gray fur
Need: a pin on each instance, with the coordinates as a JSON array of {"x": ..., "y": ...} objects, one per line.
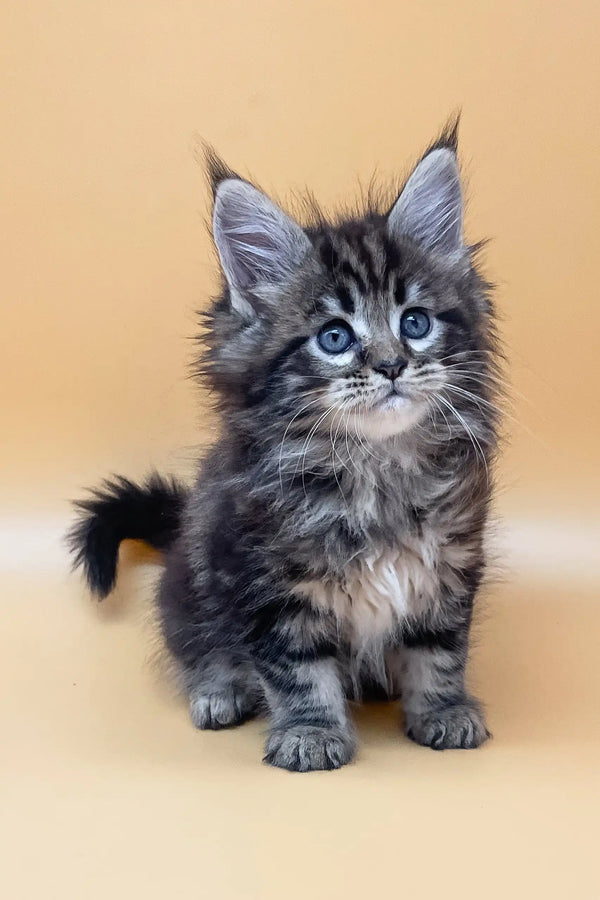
[{"x": 334, "y": 539}]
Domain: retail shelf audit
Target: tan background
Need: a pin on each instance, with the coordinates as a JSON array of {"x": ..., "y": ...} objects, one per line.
[{"x": 108, "y": 790}]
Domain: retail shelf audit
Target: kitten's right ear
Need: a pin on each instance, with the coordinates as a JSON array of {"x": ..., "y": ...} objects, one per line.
[
  {"x": 258, "y": 244},
  {"x": 430, "y": 207}
]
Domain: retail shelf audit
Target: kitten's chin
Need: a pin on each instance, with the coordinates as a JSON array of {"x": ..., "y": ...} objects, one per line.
[{"x": 395, "y": 415}]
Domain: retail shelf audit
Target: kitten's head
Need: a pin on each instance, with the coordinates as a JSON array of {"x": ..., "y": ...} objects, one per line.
[{"x": 374, "y": 324}]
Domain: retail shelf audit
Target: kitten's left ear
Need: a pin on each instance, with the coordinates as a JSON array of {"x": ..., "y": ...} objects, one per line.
[{"x": 430, "y": 208}]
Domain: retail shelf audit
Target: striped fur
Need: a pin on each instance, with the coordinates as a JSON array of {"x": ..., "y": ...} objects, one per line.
[{"x": 333, "y": 539}]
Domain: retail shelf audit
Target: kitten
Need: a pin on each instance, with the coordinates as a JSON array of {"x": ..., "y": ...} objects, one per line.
[{"x": 333, "y": 542}]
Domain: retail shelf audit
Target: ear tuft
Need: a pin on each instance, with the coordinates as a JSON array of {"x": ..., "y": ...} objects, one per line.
[
  {"x": 216, "y": 169},
  {"x": 448, "y": 137}
]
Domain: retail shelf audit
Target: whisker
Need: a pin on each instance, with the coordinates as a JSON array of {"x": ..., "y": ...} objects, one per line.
[
  {"x": 365, "y": 443},
  {"x": 470, "y": 396},
  {"x": 290, "y": 423},
  {"x": 334, "y": 451},
  {"x": 472, "y": 437},
  {"x": 311, "y": 434},
  {"x": 434, "y": 400},
  {"x": 498, "y": 382},
  {"x": 500, "y": 412}
]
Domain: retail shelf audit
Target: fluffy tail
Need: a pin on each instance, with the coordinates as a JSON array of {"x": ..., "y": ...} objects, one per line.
[{"x": 120, "y": 509}]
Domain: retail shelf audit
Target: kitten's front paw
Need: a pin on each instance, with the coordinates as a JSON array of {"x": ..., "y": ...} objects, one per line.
[
  {"x": 305, "y": 748},
  {"x": 220, "y": 709},
  {"x": 457, "y": 727}
]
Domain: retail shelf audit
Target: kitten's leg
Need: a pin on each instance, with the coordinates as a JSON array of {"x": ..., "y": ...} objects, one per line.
[
  {"x": 223, "y": 691},
  {"x": 438, "y": 711},
  {"x": 310, "y": 728},
  {"x": 222, "y": 683}
]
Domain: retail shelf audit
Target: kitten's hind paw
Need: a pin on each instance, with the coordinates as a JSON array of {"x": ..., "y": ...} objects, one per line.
[
  {"x": 461, "y": 726},
  {"x": 306, "y": 748},
  {"x": 221, "y": 709}
]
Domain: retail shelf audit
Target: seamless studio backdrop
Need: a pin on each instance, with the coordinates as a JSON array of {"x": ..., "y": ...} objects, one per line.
[{"x": 106, "y": 258}]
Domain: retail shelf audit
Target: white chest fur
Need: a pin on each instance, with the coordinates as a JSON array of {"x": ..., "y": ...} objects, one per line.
[{"x": 379, "y": 590}]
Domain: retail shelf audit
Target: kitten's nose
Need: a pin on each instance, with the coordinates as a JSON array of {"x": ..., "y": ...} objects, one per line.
[{"x": 391, "y": 370}]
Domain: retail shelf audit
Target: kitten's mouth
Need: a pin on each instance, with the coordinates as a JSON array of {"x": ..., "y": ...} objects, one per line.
[
  {"x": 394, "y": 399},
  {"x": 388, "y": 414}
]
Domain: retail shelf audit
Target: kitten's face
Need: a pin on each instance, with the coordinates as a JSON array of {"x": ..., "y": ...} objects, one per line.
[
  {"x": 373, "y": 326},
  {"x": 386, "y": 333}
]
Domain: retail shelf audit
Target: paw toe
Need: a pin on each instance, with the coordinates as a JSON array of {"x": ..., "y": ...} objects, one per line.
[
  {"x": 218, "y": 710},
  {"x": 459, "y": 727},
  {"x": 306, "y": 749}
]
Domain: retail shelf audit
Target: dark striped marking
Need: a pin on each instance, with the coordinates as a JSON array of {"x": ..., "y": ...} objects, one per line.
[
  {"x": 345, "y": 298},
  {"x": 257, "y": 396},
  {"x": 391, "y": 267},
  {"x": 316, "y": 717},
  {"x": 453, "y": 316},
  {"x": 428, "y": 639},
  {"x": 392, "y": 255},
  {"x": 321, "y": 649},
  {"x": 329, "y": 254},
  {"x": 347, "y": 269},
  {"x": 290, "y": 348},
  {"x": 400, "y": 292},
  {"x": 366, "y": 258}
]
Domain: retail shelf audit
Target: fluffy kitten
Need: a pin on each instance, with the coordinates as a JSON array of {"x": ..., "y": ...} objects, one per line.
[{"x": 333, "y": 542}]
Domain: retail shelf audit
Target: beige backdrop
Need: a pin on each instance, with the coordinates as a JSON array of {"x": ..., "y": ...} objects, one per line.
[{"x": 105, "y": 259}]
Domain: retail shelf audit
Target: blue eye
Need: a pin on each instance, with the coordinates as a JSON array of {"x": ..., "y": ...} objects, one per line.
[
  {"x": 415, "y": 324},
  {"x": 336, "y": 337}
]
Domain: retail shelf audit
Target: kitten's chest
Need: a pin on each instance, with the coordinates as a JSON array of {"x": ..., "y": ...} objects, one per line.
[{"x": 382, "y": 587}]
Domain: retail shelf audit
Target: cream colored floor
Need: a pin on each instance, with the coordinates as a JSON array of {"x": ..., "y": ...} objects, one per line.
[{"x": 108, "y": 791}]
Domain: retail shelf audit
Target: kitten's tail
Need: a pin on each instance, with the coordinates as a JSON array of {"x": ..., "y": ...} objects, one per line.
[{"x": 118, "y": 510}]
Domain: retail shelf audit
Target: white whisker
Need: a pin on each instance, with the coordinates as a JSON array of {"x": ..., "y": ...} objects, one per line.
[
  {"x": 472, "y": 437},
  {"x": 290, "y": 423}
]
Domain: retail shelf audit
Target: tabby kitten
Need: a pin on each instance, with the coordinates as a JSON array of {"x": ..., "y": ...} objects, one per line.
[{"x": 333, "y": 542}]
